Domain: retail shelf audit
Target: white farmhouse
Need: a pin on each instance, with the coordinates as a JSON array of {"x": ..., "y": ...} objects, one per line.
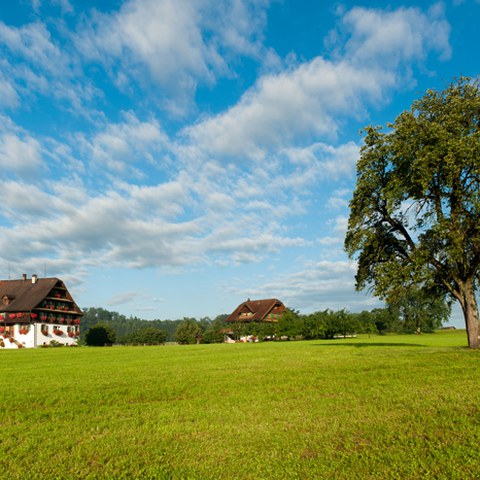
[{"x": 37, "y": 311}]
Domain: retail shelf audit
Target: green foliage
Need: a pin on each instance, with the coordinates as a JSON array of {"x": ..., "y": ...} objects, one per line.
[
  {"x": 341, "y": 323},
  {"x": 415, "y": 213},
  {"x": 330, "y": 324},
  {"x": 365, "y": 322},
  {"x": 124, "y": 326},
  {"x": 290, "y": 325},
  {"x": 100, "y": 335},
  {"x": 330, "y": 409},
  {"x": 417, "y": 311},
  {"x": 314, "y": 325},
  {"x": 214, "y": 331},
  {"x": 262, "y": 330},
  {"x": 188, "y": 332},
  {"x": 146, "y": 336},
  {"x": 52, "y": 344},
  {"x": 383, "y": 319}
]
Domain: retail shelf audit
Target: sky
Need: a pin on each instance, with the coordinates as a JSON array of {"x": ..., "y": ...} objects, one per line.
[{"x": 172, "y": 158}]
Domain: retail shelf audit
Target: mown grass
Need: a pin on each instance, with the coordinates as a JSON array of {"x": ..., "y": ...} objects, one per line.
[{"x": 381, "y": 407}]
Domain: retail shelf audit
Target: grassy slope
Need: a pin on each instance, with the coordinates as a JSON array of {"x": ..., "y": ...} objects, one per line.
[{"x": 385, "y": 407}]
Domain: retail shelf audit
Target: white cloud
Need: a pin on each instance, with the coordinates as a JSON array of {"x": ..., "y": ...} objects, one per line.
[
  {"x": 177, "y": 43},
  {"x": 339, "y": 199},
  {"x": 341, "y": 225},
  {"x": 27, "y": 202},
  {"x": 8, "y": 94},
  {"x": 33, "y": 42},
  {"x": 122, "y": 298},
  {"x": 231, "y": 239},
  {"x": 65, "y": 5},
  {"x": 119, "y": 146},
  {"x": 104, "y": 231},
  {"x": 337, "y": 228},
  {"x": 392, "y": 38},
  {"x": 326, "y": 161},
  {"x": 311, "y": 100},
  {"x": 20, "y": 156},
  {"x": 166, "y": 200},
  {"x": 238, "y": 25},
  {"x": 35, "y": 65},
  {"x": 284, "y": 109}
]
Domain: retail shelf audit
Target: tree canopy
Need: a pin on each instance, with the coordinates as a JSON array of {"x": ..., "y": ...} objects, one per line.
[
  {"x": 124, "y": 326},
  {"x": 188, "y": 331},
  {"x": 100, "y": 335},
  {"x": 417, "y": 311},
  {"x": 415, "y": 212},
  {"x": 146, "y": 336}
]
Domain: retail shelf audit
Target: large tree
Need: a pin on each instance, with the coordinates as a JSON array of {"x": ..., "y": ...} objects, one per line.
[{"x": 415, "y": 213}]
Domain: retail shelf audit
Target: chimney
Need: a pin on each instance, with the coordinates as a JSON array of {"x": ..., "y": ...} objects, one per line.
[
  {"x": 34, "y": 278},
  {"x": 24, "y": 276}
]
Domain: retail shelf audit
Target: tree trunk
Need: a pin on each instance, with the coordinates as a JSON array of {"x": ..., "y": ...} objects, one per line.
[{"x": 468, "y": 302}]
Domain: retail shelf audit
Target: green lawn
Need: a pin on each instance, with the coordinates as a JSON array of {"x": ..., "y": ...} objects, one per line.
[{"x": 393, "y": 407}]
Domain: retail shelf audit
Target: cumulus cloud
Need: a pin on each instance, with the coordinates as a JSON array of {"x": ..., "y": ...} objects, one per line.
[
  {"x": 291, "y": 107},
  {"x": 311, "y": 100},
  {"x": 177, "y": 44},
  {"x": 394, "y": 37},
  {"x": 21, "y": 156},
  {"x": 106, "y": 230},
  {"x": 118, "y": 147},
  {"x": 326, "y": 161},
  {"x": 27, "y": 202}
]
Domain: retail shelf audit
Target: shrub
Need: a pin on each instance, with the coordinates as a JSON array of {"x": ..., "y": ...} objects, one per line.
[{"x": 100, "y": 335}]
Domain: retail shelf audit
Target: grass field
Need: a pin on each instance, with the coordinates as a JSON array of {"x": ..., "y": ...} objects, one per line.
[{"x": 391, "y": 407}]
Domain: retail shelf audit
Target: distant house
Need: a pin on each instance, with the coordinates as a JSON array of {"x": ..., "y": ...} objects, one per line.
[
  {"x": 36, "y": 311},
  {"x": 269, "y": 310}
]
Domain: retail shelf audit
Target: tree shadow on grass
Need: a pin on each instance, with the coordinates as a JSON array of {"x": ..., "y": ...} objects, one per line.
[{"x": 332, "y": 343}]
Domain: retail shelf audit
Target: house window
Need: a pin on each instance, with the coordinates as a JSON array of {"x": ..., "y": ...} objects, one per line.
[{"x": 5, "y": 300}]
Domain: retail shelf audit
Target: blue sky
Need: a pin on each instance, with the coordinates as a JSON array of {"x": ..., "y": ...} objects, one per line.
[{"x": 170, "y": 158}]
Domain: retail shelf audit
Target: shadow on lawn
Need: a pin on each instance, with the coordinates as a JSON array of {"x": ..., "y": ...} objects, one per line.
[{"x": 368, "y": 344}]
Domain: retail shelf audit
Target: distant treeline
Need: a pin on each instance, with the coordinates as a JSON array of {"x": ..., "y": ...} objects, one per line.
[
  {"x": 124, "y": 326},
  {"x": 410, "y": 318}
]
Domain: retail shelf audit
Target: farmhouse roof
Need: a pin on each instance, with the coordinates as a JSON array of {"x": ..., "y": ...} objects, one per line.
[
  {"x": 25, "y": 295},
  {"x": 257, "y": 311}
]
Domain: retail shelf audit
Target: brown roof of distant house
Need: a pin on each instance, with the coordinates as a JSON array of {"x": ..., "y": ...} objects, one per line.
[
  {"x": 256, "y": 310},
  {"x": 25, "y": 295}
]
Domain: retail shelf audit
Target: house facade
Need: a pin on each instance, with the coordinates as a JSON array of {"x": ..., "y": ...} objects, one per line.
[
  {"x": 269, "y": 310},
  {"x": 35, "y": 312},
  {"x": 252, "y": 317}
]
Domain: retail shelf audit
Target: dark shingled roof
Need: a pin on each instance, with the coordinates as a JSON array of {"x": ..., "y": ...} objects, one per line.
[
  {"x": 257, "y": 310},
  {"x": 25, "y": 295}
]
